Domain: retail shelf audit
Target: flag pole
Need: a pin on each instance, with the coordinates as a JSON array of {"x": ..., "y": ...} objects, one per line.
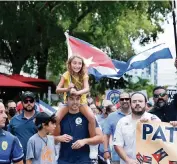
[
  {"x": 173, "y": 3},
  {"x": 68, "y": 45}
]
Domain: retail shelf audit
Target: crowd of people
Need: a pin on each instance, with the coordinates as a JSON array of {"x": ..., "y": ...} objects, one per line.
[{"x": 79, "y": 132}]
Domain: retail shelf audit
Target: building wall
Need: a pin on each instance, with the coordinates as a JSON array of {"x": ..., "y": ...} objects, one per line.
[{"x": 149, "y": 73}]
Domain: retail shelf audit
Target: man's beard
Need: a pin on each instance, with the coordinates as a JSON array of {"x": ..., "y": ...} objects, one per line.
[
  {"x": 28, "y": 110},
  {"x": 138, "y": 113},
  {"x": 160, "y": 104}
]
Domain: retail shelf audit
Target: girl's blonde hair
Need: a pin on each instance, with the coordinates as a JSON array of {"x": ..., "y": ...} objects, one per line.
[{"x": 82, "y": 72}]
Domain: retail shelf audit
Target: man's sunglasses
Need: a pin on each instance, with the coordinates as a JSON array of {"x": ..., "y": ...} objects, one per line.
[
  {"x": 126, "y": 99},
  {"x": 26, "y": 101},
  {"x": 160, "y": 95}
]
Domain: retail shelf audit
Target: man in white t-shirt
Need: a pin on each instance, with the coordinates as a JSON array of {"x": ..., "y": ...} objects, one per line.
[{"x": 125, "y": 134}]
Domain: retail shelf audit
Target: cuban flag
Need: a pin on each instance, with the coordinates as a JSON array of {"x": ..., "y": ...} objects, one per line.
[
  {"x": 41, "y": 106},
  {"x": 149, "y": 56},
  {"x": 143, "y": 59},
  {"x": 97, "y": 62}
]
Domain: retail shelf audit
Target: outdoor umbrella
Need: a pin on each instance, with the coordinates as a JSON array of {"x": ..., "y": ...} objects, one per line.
[
  {"x": 42, "y": 83},
  {"x": 28, "y": 79},
  {"x": 7, "y": 82}
]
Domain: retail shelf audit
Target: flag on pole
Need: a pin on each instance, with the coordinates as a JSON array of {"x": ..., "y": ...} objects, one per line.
[
  {"x": 149, "y": 56},
  {"x": 143, "y": 59},
  {"x": 97, "y": 62}
]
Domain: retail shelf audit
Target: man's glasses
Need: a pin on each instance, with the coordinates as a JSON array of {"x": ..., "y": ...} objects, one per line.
[
  {"x": 124, "y": 99},
  {"x": 160, "y": 95},
  {"x": 26, "y": 101}
]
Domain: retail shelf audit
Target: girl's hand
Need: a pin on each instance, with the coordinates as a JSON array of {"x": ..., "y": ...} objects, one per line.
[
  {"x": 71, "y": 85},
  {"x": 73, "y": 91}
]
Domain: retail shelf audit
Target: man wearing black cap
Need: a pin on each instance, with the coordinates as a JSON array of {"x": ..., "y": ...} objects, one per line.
[
  {"x": 22, "y": 125},
  {"x": 41, "y": 146},
  {"x": 76, "y": 140}
]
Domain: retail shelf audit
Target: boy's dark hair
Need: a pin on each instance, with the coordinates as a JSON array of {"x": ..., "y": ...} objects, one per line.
[
  {"x": 68, "y": 94},
  {"x": 44, "y": 118},
  {"x": 108, "y": 109},
  {"x": 159, "y": 87}
]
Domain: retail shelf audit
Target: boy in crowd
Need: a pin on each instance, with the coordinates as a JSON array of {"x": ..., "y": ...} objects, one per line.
[{"x": 41, "y": 146}]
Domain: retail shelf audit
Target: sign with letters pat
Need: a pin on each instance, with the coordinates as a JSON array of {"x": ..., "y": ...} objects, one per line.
[{"x": 156, "y": 143}]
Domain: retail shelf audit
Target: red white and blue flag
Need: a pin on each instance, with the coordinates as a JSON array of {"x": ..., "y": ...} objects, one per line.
[
  {"x": 41, "y": 106},
  {"x": 97, "y": 62}
]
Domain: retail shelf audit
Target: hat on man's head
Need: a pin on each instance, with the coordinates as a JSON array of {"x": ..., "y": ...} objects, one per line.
[
  {"x": 28, "y": 94},
  {"x": 43, "y": 117}
]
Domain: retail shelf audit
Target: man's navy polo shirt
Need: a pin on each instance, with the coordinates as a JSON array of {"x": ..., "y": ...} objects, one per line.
[
  {"x": 75, "y": 125},
  {"x": 23, "y": 128},
  {"x": 10, "y": 148}
]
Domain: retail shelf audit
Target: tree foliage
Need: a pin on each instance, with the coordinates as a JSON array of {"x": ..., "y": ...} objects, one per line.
[{"x": 32, "y": 32}]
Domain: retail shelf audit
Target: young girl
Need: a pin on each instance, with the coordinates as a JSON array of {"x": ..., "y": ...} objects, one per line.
[{"x": 76, "y": 77}]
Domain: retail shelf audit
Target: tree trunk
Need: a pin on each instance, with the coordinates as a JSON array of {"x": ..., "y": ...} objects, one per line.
[
  {"x": 17, "y": 66},
  {"x": 42, "y": 63}
]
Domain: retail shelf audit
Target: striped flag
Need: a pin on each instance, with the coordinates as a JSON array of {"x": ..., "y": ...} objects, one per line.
[{"x": 98, "y": 62}]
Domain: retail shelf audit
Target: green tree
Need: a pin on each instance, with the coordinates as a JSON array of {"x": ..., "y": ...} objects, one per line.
[
  {"x": 140, "y": 84},
  {"x": 32, "y": 32}
]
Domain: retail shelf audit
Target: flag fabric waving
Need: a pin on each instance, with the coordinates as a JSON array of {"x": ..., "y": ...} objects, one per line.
[
  {"x": 101, "y": 65},
  {"x": 42, "y": 106},
  {"x": 149, "y": 56},
  {"x": 143, "y": 59}
]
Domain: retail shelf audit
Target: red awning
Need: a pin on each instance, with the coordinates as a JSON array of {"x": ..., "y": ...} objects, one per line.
[
  {"x": 28, "y": 79},
  {"x": 8, "y": 82}
]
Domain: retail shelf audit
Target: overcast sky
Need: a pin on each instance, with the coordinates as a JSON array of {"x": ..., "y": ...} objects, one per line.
[{"x": 166, "y": 69}]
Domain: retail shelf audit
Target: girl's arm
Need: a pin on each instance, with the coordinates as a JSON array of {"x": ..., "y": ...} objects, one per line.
[
  {"x": 86, "y": 88},
  {"x": 60, "y": 88}
]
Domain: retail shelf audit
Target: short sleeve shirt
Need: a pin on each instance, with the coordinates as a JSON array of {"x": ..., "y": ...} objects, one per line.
[
  {"x": 23, "y": 128},
  {"x": 125, "y": 134},
  {"x": 75, "y": 125},
  {"x": 41, "y": 150},
  {"x": 10, "y": 148},
  {"x": 110, "y": 127},
  {"x": 75, "y": 80}
]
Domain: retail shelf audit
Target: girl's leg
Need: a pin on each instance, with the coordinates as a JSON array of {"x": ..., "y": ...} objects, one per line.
[
  {"x": 59, "y": 116},
  {"x": 88, "y": 113}
]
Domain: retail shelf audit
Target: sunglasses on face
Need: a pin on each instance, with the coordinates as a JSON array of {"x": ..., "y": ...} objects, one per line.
[
  {"x": 160, "y": 95},
  {"x": 26, "y": 101},
  {"x": 124, "y": 99}
]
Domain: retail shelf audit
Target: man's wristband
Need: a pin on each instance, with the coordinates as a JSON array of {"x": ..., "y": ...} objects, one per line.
[{"x": 106, "y": 151}]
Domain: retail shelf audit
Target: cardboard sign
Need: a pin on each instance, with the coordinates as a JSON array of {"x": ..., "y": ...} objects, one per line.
[
  {"x": 156, "y": 143},
  {"x": 171, "y": 93}
]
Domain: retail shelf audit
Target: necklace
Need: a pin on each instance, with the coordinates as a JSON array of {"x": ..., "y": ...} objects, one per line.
[{"x": 43, "y": 139}]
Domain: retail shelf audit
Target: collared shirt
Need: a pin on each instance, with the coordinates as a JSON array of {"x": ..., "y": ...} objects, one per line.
[
  {"x": 125, "y": 134},
  {"x": 110, "y": 127},
  {"x": 100, "y": 118},
  {"x": 10, "y": 148},
  {"x": 23, "y": 128}
]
